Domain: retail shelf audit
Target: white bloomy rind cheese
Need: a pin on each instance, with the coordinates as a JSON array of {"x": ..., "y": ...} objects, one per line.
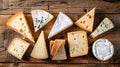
[
  {"x": 40, "y": 18},
  {"x": 78, "y": 43},
  {"x": 104, "y": 26},
  {"x": 62, "y": 22},
  {"x": 40, "y": 49},
  {"x": 18, "y": 47},
  {"x": 102, "y": 49}
]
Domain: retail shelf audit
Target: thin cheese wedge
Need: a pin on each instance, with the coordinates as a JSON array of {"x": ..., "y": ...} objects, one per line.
[
  {"x": 40, "y": 18},
  {"x": 18, "y": 47},
  {"x": 78, "y": 43},
  {"x": 62, "y": 22},
  {"x": 19, "y": 24},
  {"x": 86, "y": 22},
  {"x": 40, "y": 50},
  {"x": 104, "y": 26},
  {"x": 57, "y": 49}
]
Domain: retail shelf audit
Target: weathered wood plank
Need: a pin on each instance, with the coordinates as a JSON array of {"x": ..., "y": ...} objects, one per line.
[
  {"x": 56, "y": 65},
  {"x": 70, "y": 6},
  {"x": 7, "y": 35}
]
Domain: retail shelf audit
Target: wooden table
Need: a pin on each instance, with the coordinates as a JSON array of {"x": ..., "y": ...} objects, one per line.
[{"x": 73, "y": 8}]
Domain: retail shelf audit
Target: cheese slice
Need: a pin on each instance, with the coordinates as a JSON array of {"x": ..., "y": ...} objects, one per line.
[
  {"x": 40, "y": 50},
  {"x": 104, "y": 26},
  {"x": 18, "y": 47},
  {"x": 57, "y": 49},
  {"x": 62, "y": 22},
  {"x": 86, "y": 22},
  {"x": 102, "y": 49},
  {"x": 40, "y": 18},
  {"x": 78, "y": 43},
  {"x": 19, "y": 24}
]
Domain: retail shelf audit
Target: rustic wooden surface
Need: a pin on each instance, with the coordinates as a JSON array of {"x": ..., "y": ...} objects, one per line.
[{"x": 73, "y": 8}]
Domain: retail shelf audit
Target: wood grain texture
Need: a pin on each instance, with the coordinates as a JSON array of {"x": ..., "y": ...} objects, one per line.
[{"x": 74, "y": 9}]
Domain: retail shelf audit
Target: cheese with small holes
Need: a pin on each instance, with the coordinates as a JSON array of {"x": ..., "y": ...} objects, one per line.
[
  {"x": 18, "y": 47},
  {"x": 78, "y": 43},
  {"x": 103, "y": 49},
  {"x": 40, "y": 49},
  {"x": 57, "y": 49},
  {"x": 62, "y": 22},
  {"x": 40, "y": 18},
  {"x": 104, "y": 26},
  {"x": 86, "y": 22},
  {"x": 19, "y": 24}
]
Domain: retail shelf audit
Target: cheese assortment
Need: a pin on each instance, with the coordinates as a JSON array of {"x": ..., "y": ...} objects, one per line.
[
  {"x": 19, "y": 24},
  {"x": 102, "y": 49},
  {"x": 62, "y": 22},
  {"x": 77, "y": 40},
  {"x": 104, "y": 26},
  {"x": 78, "y": 43},
  {"x": 40, "y": 18},
  {"x": 18, "y": 47},
  {"x": 86, "y": 22},
  {"x": 40, "y": 50},
  {"x": 57, "y": 49}
]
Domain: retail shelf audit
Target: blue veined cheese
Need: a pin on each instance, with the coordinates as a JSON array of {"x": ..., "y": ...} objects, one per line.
[
  {"x": 103, "y": 49},
  {"x": 40, "y": 49},
  {"x": 78, "y": 43},
  {"x": 40, "y": 18},
  {"x": 62, "y": 22},
  {"x": 104, "y": 26}
]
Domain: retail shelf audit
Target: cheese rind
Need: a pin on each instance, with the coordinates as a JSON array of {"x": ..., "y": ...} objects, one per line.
[
  {"x": 57, "y": 49},
  {"x": 104, "y": 26},
  {"x": 18, "y": 47},
  {"x": 40, "y": 49},
  {"x": 78, "y": 43},
  {"x": 86, "y": 22},
  {"x": 19, "y": 24},
  {"x": 102, "y": 49},
  {"x": 62, "y": 22},
  {"x": 40, "y": 18}
]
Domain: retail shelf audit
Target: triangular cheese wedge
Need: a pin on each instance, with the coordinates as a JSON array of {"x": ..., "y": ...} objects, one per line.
[
  {"x": 62, "y": 22},
  {"x": 104, "y": 26},
  {"x": 86, "y": 22},
  {"x": 19, "y": 24},
  {"x": 40, "y": 49},
  {"x": 57, "y": 49},
  {"x": 40, "y": 18}
]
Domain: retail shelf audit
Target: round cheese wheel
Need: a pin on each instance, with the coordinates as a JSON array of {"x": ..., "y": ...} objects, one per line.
[{"x": 102, "y": 49}]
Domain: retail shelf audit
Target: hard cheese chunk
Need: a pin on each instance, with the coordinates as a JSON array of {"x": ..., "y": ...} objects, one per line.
[
  {"x": 104, "y": 26},
  {"x": 40, "y": 49},
  {"x": 62, "y": 22},
  {"x": 57, "y": 49},
  {"x": 18, "y": 47},
  {"x": 86, "y": 22},
  {"x": 18, "y": 23},
  {"x": 40, "y": 18},
  {"x": 78, "y": 43}
]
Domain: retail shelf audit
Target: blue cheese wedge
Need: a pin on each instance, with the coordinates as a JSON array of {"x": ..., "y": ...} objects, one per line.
[
  {"x": 86, "y": 22},
  {"x": 40, "y": 18},
  {"x": 40, "y": 50},
  {"x": 62, "y": 22},
  {"x": 78, "y": 43},
  {"x": 104, "y": 26},
  {"x": 18, "y": 47},
  {"x": 103, "y": 49}
]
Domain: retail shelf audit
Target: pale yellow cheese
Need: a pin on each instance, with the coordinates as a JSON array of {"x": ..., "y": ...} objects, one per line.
[
  {"x": 78, "y": 43},
  {"x": 18, "y": 47},
  {"x": 40, "y": 50},
  {"x": 86, "y": 22},
  {"x": 19, "y": 24}
]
